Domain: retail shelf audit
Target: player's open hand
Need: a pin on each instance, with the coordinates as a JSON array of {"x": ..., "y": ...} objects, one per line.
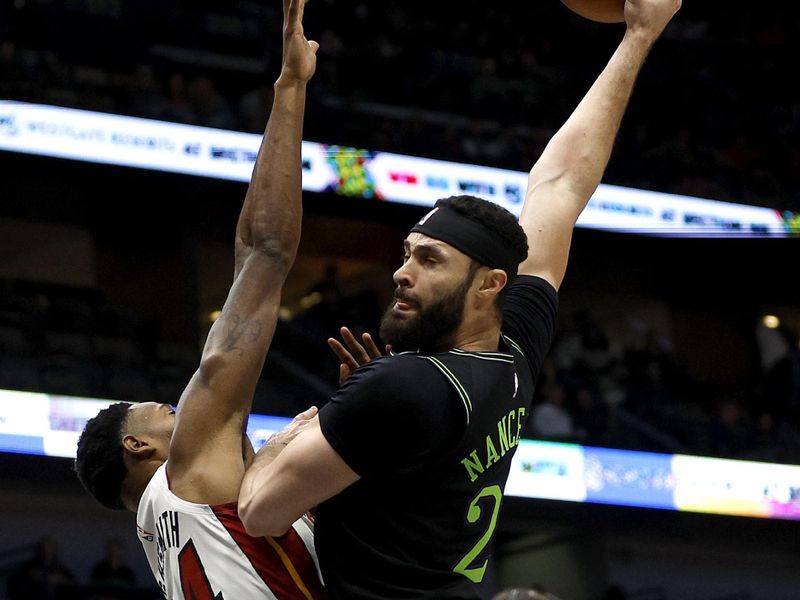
[
  {"x": 353, "y": 353},
  {"x": 299, "y": 54}
]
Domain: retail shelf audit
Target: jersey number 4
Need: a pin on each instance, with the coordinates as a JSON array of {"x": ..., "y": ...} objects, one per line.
[
  {"x": 476, "y": 574},
  {"x": 194, "y": 581}
]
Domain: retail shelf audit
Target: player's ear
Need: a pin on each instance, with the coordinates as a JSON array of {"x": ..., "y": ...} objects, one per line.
[
  {"x": 138, "y": 447},
  {"x": 494, "y": 280}
]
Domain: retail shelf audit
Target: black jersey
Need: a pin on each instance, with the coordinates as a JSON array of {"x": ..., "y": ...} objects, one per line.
[{"x": 432, "y": 438}]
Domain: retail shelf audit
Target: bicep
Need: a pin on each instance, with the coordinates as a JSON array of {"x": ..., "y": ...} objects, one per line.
[{"x": 548, "y": 218}]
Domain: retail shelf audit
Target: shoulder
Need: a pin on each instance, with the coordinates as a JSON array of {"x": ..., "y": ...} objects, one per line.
[
  {"x": 402, "y": 387},
  {"x": 396, "y": 374},
  {"x": 392, "y": 412},
  {"x": 530, "y": 313},
  {"x": 530, "y": 298},
  {"x": 533, "y": 289}
]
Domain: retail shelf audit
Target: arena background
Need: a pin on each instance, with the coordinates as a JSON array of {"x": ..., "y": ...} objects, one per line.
[{"x": 109, "y": 276}]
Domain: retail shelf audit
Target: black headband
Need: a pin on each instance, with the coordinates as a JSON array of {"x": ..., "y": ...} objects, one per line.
[{"x": 472, "y": 238}]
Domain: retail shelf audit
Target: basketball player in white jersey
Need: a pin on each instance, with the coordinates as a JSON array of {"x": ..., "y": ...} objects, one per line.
[{"x": 181, "y": 472}]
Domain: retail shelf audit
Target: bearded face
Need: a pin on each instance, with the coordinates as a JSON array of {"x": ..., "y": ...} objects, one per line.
[{"x": 430, "y": 327}]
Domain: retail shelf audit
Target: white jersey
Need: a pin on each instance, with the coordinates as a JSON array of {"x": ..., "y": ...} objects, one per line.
[{"x": 201, "y": 552}]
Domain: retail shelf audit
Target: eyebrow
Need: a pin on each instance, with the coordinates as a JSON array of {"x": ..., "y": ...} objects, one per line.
[{"x": 426, "y": 248}]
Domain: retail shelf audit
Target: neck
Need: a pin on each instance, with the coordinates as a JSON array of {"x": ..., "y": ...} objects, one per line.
[
  {"x": 135, "y": 483},
  {"x": 477, "y": 337}
]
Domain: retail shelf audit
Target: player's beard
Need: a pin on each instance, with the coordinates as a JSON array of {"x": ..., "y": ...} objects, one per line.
[{"x": 432, "y": 329}]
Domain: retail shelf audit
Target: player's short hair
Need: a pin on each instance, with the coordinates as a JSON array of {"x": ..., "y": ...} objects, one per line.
[
  {"x": 99, "y": 461},
  {"x": 496, "y": 219}
]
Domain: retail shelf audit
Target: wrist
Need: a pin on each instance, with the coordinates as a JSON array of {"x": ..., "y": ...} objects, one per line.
[
  {"x": 638, "y": 41},
  {"x": 642, "y": 35},
  {"x": 287, "y": 81}
]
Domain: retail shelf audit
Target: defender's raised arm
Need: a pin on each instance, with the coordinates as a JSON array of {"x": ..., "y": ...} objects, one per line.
[{"x": 213, "y": 412}]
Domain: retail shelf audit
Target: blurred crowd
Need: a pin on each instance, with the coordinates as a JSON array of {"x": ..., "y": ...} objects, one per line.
[
  {"x": 628, "y": 392},
  {"x": 45, "y": 576},
  {"x": 716, "y": 113}
]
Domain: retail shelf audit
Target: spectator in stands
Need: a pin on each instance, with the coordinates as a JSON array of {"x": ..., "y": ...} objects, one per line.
[
  {"x": 209, "y": 104},
  {"x": 550, "y": 418},
  {"x": 590, "y": 416},
  {"x": 782, "y": 388},
  {"x": 252, "y": 116},
  {"x": 178, "y": 108},
  {"x": 112, "y": 570},
  {"x": 40, "y": 577},
  {"x": 730, "y": 432},
  {"x": 11, "y": 75}
]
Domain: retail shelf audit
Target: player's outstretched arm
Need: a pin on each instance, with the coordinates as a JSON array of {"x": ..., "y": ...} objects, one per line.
[
  {"x": 282, "y": 484},
  {"x": 206, "y": 454},
  {"x": 572, "y": 165}
]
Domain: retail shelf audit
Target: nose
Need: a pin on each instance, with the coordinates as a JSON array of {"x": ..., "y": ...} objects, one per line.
[{"x": 402, "y": 277}]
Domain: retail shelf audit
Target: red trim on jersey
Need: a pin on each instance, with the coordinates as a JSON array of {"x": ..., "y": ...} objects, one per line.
[
  {"x": 194, "y": 581},
  {"x": 268, "y": 563}
]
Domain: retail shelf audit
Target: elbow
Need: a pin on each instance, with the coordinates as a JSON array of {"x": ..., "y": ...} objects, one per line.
[
  {"x": 546, "y": 175},
  {"x": 577, "y": 170},
  {"x": 259, "y": 521},
  {"x": 280, "y": 254},
  {"x": 562, "y": 182},
  {"x": 270, "y": 255},
  {"x": 209, "y": 369},
  {"x": 277, "y": 247}
]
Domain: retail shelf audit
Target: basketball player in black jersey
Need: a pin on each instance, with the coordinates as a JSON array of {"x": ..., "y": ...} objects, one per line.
[{"x": 408, "y": 461}]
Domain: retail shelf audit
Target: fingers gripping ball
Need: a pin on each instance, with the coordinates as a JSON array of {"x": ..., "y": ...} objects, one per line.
[{"x": 602, "y": 11}]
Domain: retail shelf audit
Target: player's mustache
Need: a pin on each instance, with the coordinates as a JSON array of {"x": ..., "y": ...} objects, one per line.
[{"x": 401, "y": 296}]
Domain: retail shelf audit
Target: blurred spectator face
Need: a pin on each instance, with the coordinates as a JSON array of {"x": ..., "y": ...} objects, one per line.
[
  {"x": 114, "y": 552},
  {"x": 48, "y": 550},
  {"x": 554, "y": 394},
  {"x": 729, "y": 413},
  {"x": 584, "y": 398},
  {"x": 7, "y": 51}
]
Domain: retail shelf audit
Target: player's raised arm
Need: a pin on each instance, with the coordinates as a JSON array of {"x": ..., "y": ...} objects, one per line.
[
  {"x": 206, "y": 447},
  {"x": 572, "y": 165}
]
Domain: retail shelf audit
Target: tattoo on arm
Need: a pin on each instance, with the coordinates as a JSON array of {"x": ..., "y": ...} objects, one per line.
[{"x": 237, "y": 332}]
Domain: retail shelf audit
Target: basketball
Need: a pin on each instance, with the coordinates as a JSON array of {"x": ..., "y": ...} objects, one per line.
[{"x": 602, "y": 11}]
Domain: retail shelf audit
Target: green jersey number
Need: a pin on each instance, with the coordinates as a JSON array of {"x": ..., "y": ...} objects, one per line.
[{"x": 476, "y": 574}]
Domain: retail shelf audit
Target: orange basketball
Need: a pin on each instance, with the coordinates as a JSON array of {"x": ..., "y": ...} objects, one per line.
[{"x": 602, "y": 11}]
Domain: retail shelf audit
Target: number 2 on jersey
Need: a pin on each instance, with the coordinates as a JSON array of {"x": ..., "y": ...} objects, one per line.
[
  {"x": 476, "y": 574},
  {"x": 194, "y": 581}
]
